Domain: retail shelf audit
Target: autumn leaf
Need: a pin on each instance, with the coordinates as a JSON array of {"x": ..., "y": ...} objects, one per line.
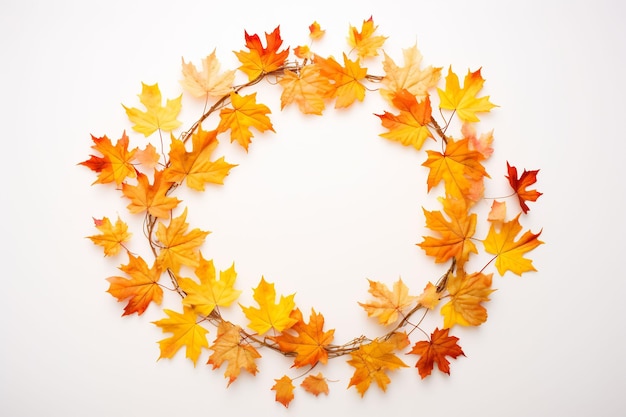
[
  {"x": 270, "y": 314},
  {"x": 156, "y": 117},
  {"x": 372, "y": 361},
  {"x": 346, "y": 79},
  {"x": 209, "y": 81},
  {"x": 519, "y": 185},
  {"x": 284, "y": 390},
  {"x": 186, "y": 332},
  {"x": 435, "y": 350},
  {"x": 310, "y": 342},
  {"x": 112, "y": 238},
  {"x": 210, "y": 292},
  {"x": 244, "y": 114},
  {"x": 364, "y": 42},
  {"x": 148, "y": 157},
  {"x": 510, "y": 252},
  {"x": 467, "y": 293},
  {"x": 141, "y": 289},
  {"x": 315, "y": 384},
  {"x": 115, "y": 163},
  {"x": 308, "y": 89},
  {"x": 229, "y": 346},
  {"x": 196, "y": 166},
  {"x": 482, "y": 143},
  {"x": 455, "y": 235},
  {"x": 178, "y": 247},
  {"x": 497, "y": 214},
  {"x": 388, "y": 305},
  {"x": 430, "y": 297},
  {"x": 150, "y": 198},
  {"x": 410, "y": 76},
  {"x": 315, "y": 31},
  {"x": 459, "y": 168},
  {"x": 259, "y": 60},
  {"x": 464, "y": 100},
  {"x": 410, "y": 127}
]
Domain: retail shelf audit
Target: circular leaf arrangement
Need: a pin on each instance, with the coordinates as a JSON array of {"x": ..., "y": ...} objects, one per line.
[{"x": 148, "y": 178}]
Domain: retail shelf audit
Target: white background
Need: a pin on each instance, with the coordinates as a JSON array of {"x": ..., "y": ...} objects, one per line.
[{"x": 317, "y": 207}]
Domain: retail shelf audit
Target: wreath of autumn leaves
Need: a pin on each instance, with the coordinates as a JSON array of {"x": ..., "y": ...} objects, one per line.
[{"x": 148, "y": 179}]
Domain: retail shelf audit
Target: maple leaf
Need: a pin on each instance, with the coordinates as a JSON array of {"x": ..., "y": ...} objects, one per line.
[
  {"x": 151, "y": 198},
  {"x": 112, "y": 237},
  {"x": 210, "y": 292},
  {"x": 311, "y": 341},
  {"x": 436, "y": 349},
  {"x": 410, "y": 77},
  {"x": 185, "y": 332},
  {"x": 229, "y": 346},
  {"x": 480, "y": 143},
  {"x": 141, "y": 289},
  {"x": 464, "y": 100},
  {"x": 178, "y": 247},
  {"x": 303, "y": 52},
  {"x": 261, "y": 60},
  {"x": 455, "y": 239},
  {"x": 307, "y": 88},
  {"x": 497, "y": 214},
  {"x": 315, "y": 384},
  {"x": 346, "y": 79},
  {"x": 519, "y": 185},
  {"x": 156, "y": 117},
  {"x": 467, "y": 292},
  {"x": 388, "y": 305},
  {"x": 284, "y": 390},
  {"x": 430, "y": 297},
  {"x": 410, "y": 126},
  {"x": 365, "y": 43},
  {"x": 196, "y": 166},
  {"x": 208, "y": 82},
  {"x": 270, "y": 314},
  {"x": 115, "y": 163},
  {"x": 509, "y": 252},
  {"x": 246, "y": 113},
  {"x": 148, "y": 157},
  {"x": 315, "y": 31},
  {"x": 459, "y": 168}
]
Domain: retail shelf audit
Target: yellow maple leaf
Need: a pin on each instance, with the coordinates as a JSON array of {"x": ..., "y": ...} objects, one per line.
[
  {"x": 410, "y": 76},
  {"x": 186, "y": 332},
  {"x": 467, "y": 293},
  {"x": 388, "y": 305},
  {"x": 156, "y": 117},
  {"x": 210, "y": 292},
  {"x": 410, "y": 127},
  {"x": 464, "y": 100},
  {"x": 307, "y": 88},
  {"x": 346, "y": 80},
  {"x": 231, "y": 347},
  {"x": 270, "y": 314},
  {"x": 430, "y": 297},
  {"x": 112, "y": 237},
  {"x": 365, "y": 43},
  {"x": 244, "y": 114},
  {"x": 151, "y": 198},
  {"x": 178, "y": 247},
  {"x": 209, "y": 81}
]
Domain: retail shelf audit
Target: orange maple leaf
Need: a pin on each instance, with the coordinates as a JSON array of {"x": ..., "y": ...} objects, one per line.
[
  {"x": 186, "y": 331},
  {"x": 480, "y": 143},
  {"x": 373, "y": 360},
  {"x": 346, "y": 87},
  {"x": 315, "y": 31},
  {"x": 196, "y": 166},
  {"x": 388, "y": 305},
  {"x": 270, "y": 314},
  {"x": 245, "y": 113},
  {"x": 284, "y": 390},
  {"x": 229, "y": 346},
  {"x": 311, "y": 341},
  {"x": 112, "y": 237},
  {"x": 178, "y": 247},
  {"x": 209, "y": 81},
  {"x": 148, "y": 157},
  {"x": 464, "y": 100},
  {"x": 307, "y": 88},
  {"x": 455, "y": 239},
  {"x": 410, "y": 76},
  {"x": 156, "y": 117},
  {"x": 430, "y": 297},
  {"x": 315, "y": 384},
  {"x": 436, "y": 349},
  {"x": 151, "y": 198},
  {"x": 459, "y": 168},
  {"x": 519, "y": 185},
  {"x": 467, "y": 293},
  {"x": 115, "y": 163},
  {"x": 509, "y": 252},
  {"x": 365, "y": 43},
  {"x": 141, "y": 289},
  {"x": 497, "y": 214},
  {"x": 261, "y": 60},
  {"x": 410, "y": 127}
]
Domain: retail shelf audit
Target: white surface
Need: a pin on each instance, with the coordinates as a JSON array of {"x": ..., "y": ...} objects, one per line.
[{"x": 316, "y": 208}]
